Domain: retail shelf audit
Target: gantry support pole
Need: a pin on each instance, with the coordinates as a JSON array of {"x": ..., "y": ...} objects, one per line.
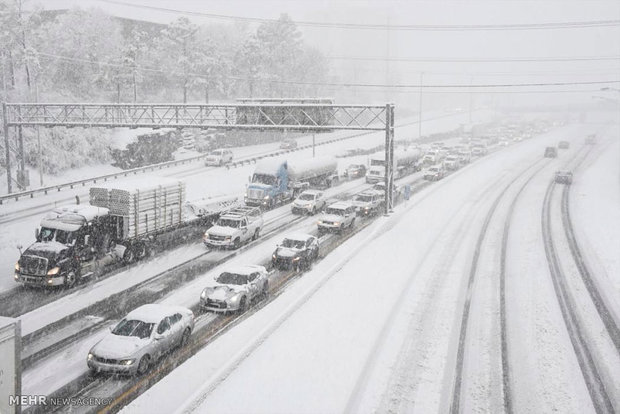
[
  {"x": 7, "y": 148},
  {"x": 389, "y": 157}
]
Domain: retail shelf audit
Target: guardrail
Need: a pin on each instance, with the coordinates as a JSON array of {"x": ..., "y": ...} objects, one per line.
[{"x": 160, "y": 166}]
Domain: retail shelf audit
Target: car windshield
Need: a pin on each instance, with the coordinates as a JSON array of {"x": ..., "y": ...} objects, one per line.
[
  {"x": 307, "y": 197},
  {"x": 61, "y": 236},
  {"x": 294, "y": 244},
  {"x": 229, "y": 223},
  {"x": 353, "y": 167},
  {"x": 216, "y": 153},
  {"x": 228, "y": 278},
  {"x": 133, "y": 327},
  {"x": 335, "y": 211},
  {"x": 364, "y": 198}
]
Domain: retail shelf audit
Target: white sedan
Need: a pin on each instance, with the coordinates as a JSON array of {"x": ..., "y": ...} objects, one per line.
[{"x": 141, "y": 338}]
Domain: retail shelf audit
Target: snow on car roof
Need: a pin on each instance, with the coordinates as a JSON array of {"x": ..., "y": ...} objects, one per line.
[
  {"x": 154, "y": 312},
  {"x": 312, "y": 192},
  {"x": 340, "y": 204},
  {"x": 244, "y": 270},
  {"x": 298, "y": 236}
]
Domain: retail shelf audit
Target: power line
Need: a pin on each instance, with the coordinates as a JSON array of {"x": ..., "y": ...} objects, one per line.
[
  {"x": 346, "y": 85},
  {"x": 479, "y": 60},
  {"x": 412, "y": 27}
]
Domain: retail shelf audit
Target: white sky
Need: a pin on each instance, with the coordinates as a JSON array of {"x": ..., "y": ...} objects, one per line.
[{"x": 445, "y": 45}]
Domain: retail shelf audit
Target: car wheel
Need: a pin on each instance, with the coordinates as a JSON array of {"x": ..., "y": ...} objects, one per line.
[
  {"x": 236, "y": 243},
  {"x": 144, "y": 364},
  {"x": 243, "y": 305},
  {"x": 185, "y": 338},
  {"x": 256, "y": 234},
  {"x": 265, "y": 291},
  {"x": 352, "y": 223},
  {"x": 70, "y": 279},
  {"x": 313, "y": 211},
  {"x": 316, "y": 254}
]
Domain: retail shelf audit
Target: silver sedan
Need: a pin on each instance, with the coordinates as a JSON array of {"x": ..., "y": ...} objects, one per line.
[
  {"x": 141, "y": 338},
  {"x": 235, "y": 289}
]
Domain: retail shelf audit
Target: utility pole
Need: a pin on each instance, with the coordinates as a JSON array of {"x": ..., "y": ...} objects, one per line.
[
  {"x": 471, "y": 97},
  {"x": 420, "y": 107},
  {"x": 36, "y": 99}
]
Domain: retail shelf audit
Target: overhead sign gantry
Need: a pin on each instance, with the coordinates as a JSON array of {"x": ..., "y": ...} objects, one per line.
[{"x": 285, "y": 115}]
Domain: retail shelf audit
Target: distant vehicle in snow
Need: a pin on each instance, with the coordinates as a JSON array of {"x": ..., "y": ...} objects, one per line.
[
  {"x": 235, "y": 289},
  {"x": 434, "y": 173},
  {"x": 288, "y": 143},
  {"x": 564, "y": 177},
  {"x": 551, "y": 152},
  {"x": 277, "y": 181},
  {"x": 235, "y": 227},
  {"x": 368, "y": 203},
  {"x": 310, "y": 202},
  {"x": 355, "y": 171},
  {"x": 141, "y": 338},
  {"x": 337, "y": 217},
  {"x": 219, "y": 157},
  {"x": 405, "y": 161},
  {"x": 563, "y": 145},
  {"x": 591, "y": 139},
  {"x": 452, "y": 162},
  {"x": 296, "y": 251}
]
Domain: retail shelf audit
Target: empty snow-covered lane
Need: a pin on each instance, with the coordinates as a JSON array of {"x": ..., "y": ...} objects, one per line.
[{"x": 383, "y": 299}]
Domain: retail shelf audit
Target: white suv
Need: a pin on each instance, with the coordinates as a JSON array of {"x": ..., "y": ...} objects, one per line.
[
  {"x": 337, "y": 217},
  {"x": 310, "y": 201},
  {"x": 219, "y": 157}
]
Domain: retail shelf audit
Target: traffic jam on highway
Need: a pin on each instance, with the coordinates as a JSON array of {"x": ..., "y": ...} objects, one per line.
[{"x": 294, "y": 212}]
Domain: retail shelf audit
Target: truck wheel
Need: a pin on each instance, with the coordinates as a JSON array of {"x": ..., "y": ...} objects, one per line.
[
  {"x": 236, "y": 243},
  {"x": 140, "y": 251},
  {"x": 256, "y": 234},
  {"x": 129, "y": 256},
  {"x": 70, "y": 279}
]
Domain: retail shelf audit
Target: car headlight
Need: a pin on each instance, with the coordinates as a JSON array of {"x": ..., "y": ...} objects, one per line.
[
  {"x": 17, "y": 267},
  {"x": 15, "y": 276},
  {"x": 127, "y": 361},
  {"x": 319, "y": 222},
  {"x": 296, "y": 259},
  {"x": 266, "y": 197},
  {"x": 206, "y": 236},
  {"x": 274, "y": 257},
  {"x": 90, "y": 356},
  {"x": 203, "y": 294},
  {"x": 228, "y": 238},
  {"x": 53, "y": 271},
  {"x": 337, "y": 223}
]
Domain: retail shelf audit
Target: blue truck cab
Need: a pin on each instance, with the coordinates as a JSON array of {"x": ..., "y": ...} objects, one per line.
[{"x": 269, "y": 185}]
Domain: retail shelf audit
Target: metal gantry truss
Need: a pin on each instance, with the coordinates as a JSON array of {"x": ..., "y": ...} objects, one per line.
[{"x": 241, "y": 116}]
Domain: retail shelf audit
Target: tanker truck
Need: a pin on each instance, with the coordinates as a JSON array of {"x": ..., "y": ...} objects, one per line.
[
  {"x": 278, "y": 181},
  {"x": 405, "y": 162},
  {"x": 122, "y": 223}
]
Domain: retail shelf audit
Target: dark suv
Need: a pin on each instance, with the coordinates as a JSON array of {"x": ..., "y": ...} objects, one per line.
[
  {"x": 551, "y": 152},
  {"x": 296, "y": 251}
]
